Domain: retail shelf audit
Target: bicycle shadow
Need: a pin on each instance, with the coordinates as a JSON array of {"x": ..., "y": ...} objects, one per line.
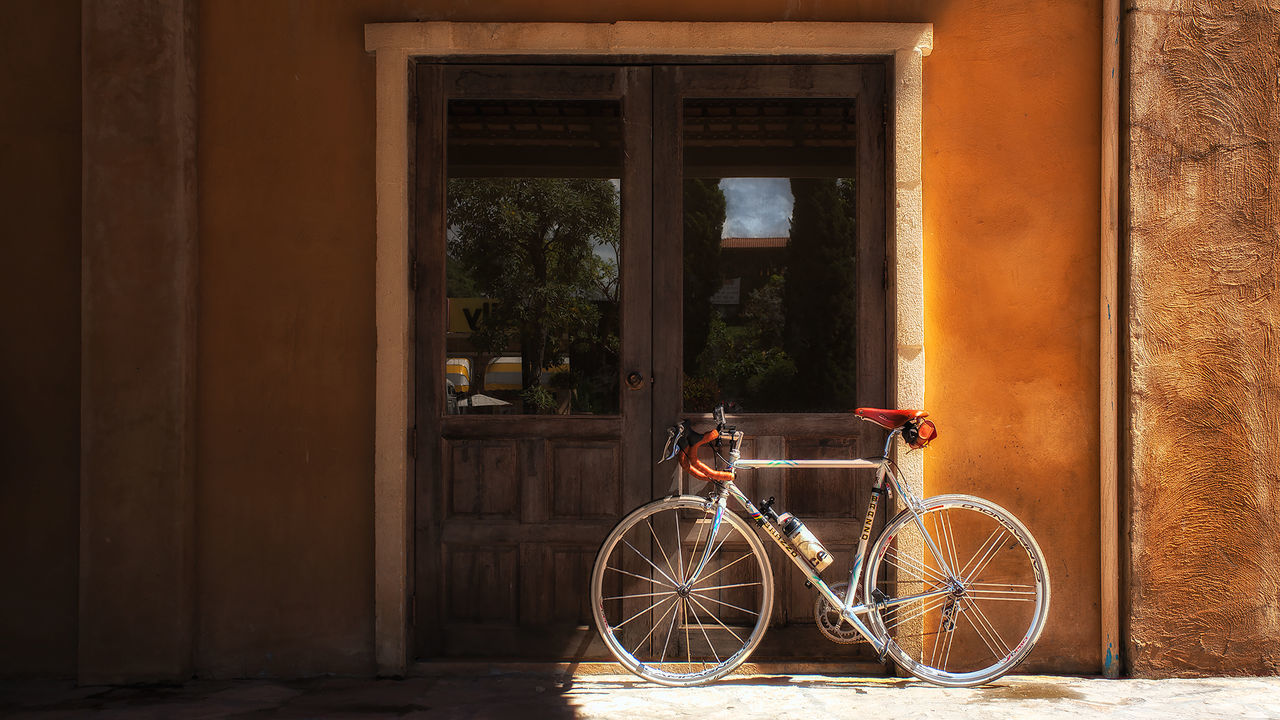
[
  {"x": 858, "y": 684},
  {"x": 831, "y": 681}
]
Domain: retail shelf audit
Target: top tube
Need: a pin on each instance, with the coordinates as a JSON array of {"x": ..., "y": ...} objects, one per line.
[{"x": 861, "y": 463}]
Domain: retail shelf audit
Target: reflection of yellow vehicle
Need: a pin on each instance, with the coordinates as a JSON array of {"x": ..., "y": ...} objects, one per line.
[
  {"x": 504, "y": 373},
  {"x": 458, "y": 372}
]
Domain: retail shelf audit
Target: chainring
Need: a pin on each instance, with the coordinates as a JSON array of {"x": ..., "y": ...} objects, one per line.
[{"x": 829, "y": 621}]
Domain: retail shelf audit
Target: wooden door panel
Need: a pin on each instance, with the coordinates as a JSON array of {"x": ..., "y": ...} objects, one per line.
[
  {"x": 482, "y": 583},
  {"x": 481, "y": 480},
  {"x": 583, "y": 478}
]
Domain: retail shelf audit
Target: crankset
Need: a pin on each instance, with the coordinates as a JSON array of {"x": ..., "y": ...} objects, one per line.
[{"x": 831, "y": 623}]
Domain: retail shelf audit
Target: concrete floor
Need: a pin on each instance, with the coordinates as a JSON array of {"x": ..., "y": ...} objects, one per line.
[{"x": 496, "y": 693}]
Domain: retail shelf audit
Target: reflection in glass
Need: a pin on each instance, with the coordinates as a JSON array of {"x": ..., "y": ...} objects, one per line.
[
  {"x": 532, "y": 257},
  {"x": 770, "y": 255}
]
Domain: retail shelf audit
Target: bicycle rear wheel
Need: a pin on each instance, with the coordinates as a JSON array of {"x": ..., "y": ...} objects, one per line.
[
  {"x": 662, "y": 611},
  {"x": 962, "y": 590}
]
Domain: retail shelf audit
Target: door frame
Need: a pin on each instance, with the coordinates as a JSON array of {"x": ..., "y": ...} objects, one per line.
[{"x": 397, "y": 46}]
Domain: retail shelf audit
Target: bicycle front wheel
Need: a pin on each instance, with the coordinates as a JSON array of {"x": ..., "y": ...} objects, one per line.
[
  {"x": 961, "y": 590},
  {"x": 676, "y": 600}
]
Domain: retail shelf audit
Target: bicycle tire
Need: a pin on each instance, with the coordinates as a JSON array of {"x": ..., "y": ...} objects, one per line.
[
  {"x": 672, "y": 628},
  {"x": 994, "y": 607}
]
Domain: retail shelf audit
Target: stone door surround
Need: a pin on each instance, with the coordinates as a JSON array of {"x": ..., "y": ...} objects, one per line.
[{"x": 396, "y": 45}]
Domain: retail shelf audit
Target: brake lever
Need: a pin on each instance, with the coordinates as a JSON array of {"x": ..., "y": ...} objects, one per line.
[{"x": 672, "y": 448}]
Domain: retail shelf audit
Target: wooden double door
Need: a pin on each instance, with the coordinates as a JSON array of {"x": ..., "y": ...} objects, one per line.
[{"x": 599, "y": 251}]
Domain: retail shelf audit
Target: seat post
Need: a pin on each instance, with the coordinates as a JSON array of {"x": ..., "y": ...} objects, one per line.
[{"x": 888, "y": 443}]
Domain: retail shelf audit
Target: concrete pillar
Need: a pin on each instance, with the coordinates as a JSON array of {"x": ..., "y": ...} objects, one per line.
[{"x": 138, "y": 304}]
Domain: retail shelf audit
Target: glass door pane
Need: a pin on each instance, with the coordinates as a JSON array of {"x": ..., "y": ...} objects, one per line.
[
  {"x": 532, "y": 256},
  {"x": 770, "y": 254}
]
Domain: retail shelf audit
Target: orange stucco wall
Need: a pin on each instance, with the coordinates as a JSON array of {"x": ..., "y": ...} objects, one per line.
[
  {"x": 286, "y": 323},
  {"x": 1011, "y": 200},
  {"x": 39, "y": 336}
]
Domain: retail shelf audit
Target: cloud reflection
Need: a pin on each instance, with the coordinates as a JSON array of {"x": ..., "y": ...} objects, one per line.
[{"x": 757, "y": 207}]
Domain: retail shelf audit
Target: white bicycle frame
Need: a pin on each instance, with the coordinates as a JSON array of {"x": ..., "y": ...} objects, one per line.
[{"x": 885, "y": 468}]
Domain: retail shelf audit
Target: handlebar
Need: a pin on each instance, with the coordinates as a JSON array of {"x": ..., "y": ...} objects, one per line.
[{"x": 685, "y": 442}]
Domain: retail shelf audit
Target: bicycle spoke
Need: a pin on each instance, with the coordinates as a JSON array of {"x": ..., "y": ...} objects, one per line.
[
  {"x": 655, "y": 567},
  {"x": 704, "y": 633},
  {"x": 647, "y": 635},
  {"x": 967, "y": 573},
  {"x": 637, "y": 595},
  {"x": 933, "y": 546},
  {"x": 995, "y": 634},
  {"x": 670, "y": 630},
  {"x": 718, "y": 621},
  {"x": 628, "y": 572},
  {"x": 995, "y": 550},
  {"x": 720, "y": 602},
  {"x": 1014, "y": 592},
  {"x": 933, "y": 656},
  {"x": 924, "y": 609},
  {"x": 735, "y": 585},
  {"x": 688, "y": 649},
  {"x": 633, "y": 617},
  {"x": 951, "y": 539},
  {"x": 942, "y": 527},
  {"x": 722, "y": 569},
  {"x": 985, "y": 640},
  {"x": 915, "y": 566},
  {"x": 1001, "y": 584},
  {"x": 666, "y": 559},
  {"x": 946, "y": 658},
  {"x": 1009, "y": 595},
  {"x": 679, "y": 545}
]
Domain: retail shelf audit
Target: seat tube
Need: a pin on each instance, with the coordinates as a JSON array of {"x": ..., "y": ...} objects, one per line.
[{"x": 859, "y": 558}]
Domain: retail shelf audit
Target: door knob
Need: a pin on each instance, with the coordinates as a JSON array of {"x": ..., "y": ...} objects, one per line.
[{"x": 635, "y": 380}]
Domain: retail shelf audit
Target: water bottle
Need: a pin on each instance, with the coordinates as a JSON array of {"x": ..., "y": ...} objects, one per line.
[{"x": 804, "y": 542}]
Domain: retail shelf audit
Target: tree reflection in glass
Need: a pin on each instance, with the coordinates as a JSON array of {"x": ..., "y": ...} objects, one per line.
[
  {"x": 542, "y": 253},
  {"x": 771, "y": 322}
]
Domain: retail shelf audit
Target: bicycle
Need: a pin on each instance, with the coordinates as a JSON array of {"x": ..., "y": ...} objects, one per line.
[{"x": 682, "y": 588}]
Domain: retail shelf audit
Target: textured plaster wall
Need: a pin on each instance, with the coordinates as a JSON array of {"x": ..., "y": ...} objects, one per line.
[
  {"x": 286, "y": 324},
  {"x": 39, "y": 335},
  {"x": 1204, "y": 328}
]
